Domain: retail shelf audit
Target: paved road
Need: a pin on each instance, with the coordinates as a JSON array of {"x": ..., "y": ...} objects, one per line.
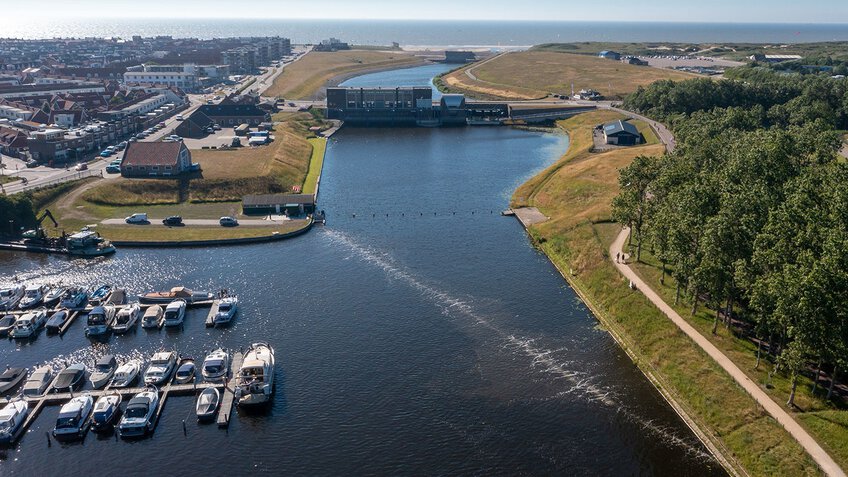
[
  {"x": 202, "y": 222},
  {"x": 819, "y": 455}
]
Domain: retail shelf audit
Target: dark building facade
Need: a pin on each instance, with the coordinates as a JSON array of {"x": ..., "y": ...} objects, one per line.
[{"x": 381, "y": 107}]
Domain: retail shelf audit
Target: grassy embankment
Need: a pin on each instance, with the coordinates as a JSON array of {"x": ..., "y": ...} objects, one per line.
[
  {"x": 4, "y": 179},
  {"x": 537, "y": 74},
  {"x": 576, "y": 193},
  {"x": 304, "y": 78},
  {"x": 730, "y": 51},
  {"x": 227, "y": 176}
]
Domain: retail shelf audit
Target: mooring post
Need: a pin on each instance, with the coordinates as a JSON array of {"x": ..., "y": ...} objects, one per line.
[
  {"x": 49, "y": 444},
  {"x": 185, "y": 433}
]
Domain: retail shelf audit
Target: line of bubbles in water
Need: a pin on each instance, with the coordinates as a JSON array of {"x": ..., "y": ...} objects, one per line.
[{"x": 581, "y": 384}]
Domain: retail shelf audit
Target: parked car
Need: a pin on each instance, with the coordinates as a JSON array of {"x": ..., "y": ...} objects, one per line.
[
  {"x": 105, "y": 153},
  {"x": 175, "y": 137},
  {"x": 113, "y": 169},
  {"x": 210, "y": 130},
  {"x": 228, "y": 221},
  {"x": 116, "y": 162},
  {"x": 137, "y": 218},
  {"x": 179, "y": 117},
  {"x": 173, "y": 220},
  {"x": 81, "y": 166},
  {"x": 31, "y": 163},
  {"x": 216, "y": 127}
]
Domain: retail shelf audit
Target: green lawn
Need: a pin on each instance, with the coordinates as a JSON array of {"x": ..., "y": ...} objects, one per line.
[{"x": 316, "y": 164}]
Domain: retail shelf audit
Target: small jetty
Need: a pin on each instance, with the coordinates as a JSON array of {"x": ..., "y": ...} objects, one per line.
[
  {"x": 229, "y": 393},
  {"x": 210, "y": 318}
]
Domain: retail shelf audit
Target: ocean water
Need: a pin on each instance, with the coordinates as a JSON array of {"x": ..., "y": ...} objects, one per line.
[{"x": 445, "y": 33}]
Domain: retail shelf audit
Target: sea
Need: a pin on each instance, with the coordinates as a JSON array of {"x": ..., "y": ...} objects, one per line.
[{"x": 494, "y": 34}]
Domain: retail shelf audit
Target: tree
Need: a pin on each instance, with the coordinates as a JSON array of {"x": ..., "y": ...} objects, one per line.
[{"x": 630, "y": 206}]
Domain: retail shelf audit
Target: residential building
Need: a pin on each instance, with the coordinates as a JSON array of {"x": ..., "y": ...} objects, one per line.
[
  {"x": 13, "y": 142},
  {"x": 234, "y": 114},
  {"x": 155, "y": 159}
]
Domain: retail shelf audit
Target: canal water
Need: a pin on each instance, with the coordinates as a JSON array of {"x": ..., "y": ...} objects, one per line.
[
  {"x": 418, "y": 76},
  {"x": 418, "y": 332}
]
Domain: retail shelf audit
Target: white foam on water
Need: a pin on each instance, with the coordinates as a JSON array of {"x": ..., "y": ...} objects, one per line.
[{"x": 580, "y": 383}]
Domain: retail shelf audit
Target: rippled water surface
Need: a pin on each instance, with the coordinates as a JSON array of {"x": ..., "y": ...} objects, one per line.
[{"x": 417, "y": 333}]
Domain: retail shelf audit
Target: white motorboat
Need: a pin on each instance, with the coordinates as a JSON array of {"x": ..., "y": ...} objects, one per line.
[
  {"x": 216, "y": 366},
  {"x": 53, "y": 296},
  {"x": 104, "y": 369},
  {"x": 161, "y": 367},
  {"x": 175, "y": 313},
  {"x": 153, "y": 317},
  {"x": 74, "y": 298},
  {"x": 9, "y": 297},
  {"x": 207, "y": 404},
  {"x": 73, "y": 421},
  {"x": 38, "y": 381},
  {"x": 7, "y": 324},
  {"x": 227, "y": 309},
  {"x": 106, "y": 410},
  {"x": 139, "y": 416},
  {"x": 28, "y": 325},
  {"x": 99, "y": 320},
  {"x": 12, "y": 417},
  {"x": 255, "y": 379},
  {"x": 126, "y": 318},
  {"x": 126, "y": 374},
  {"x": 185, "y": 372},
  {"x": 33, "y": 296}
]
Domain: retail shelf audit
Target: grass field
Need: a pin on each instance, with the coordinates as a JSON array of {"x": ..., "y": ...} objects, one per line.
[
  {"x": 156, "y": 232},
  {"x": 576, "y": 192},
  {"x": 536, "y": 74},
  {"x": 319, "y": 148},
  {"x": 304, "y": 78}
]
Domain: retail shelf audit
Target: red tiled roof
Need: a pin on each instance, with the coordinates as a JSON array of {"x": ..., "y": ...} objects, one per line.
[{"x": 152, "y": 154}]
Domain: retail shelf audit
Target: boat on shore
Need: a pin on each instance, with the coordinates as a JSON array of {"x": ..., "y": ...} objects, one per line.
[
  {"x": 176, "y": 293},
  {"x": 255, "y": 380}
]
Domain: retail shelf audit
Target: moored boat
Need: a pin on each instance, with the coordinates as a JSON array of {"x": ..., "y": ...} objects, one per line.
[
  {"x": 12, "y": 417},
  {"x": 100, "y": 294},
  {"x": 126, "y": 374},
  {"x": 216, "y": 365},
  {"x": 104, "y": 369},
  {"x": 176, "y": 293},
  {"x": 127, "y": 318},
  {"x": 139, "y": 417},
  {"x": 175, "y": 313},
  {"x": 38, "y": 381},
  {"x": 154, "y": 317},
  {"x": 255, "y": 379},
  {"x": 87, "y": 243},
  {"x": 106, "y": 410},
  {"x": 11, "y": 379},
  {"x": 28, "y": 325},
  {"x": 69, "y": 378},
  {"x": 7, "y": 323},
  {"x": 161, "y": 367},
  {"x": 33, "y": 296},
  {"x": 74, "y": 298},
  {"x": 73, "y": 421},
  {"x": 53, "y": 296},
  {"x": 10, "y": 296},
  {"x": 57, "y": 320},
  {"x": 207, "y": 404},
  {"x": 185, "y": 372},
  {"x": 100, "y": 318},
  {"x": 227, "y": 309}
]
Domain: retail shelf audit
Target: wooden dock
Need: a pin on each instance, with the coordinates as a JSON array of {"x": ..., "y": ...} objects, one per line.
[
  {"x": 210, "y": 318},
  {"x": 228, "y": 395},
  {"x": 69, "y": 321}
]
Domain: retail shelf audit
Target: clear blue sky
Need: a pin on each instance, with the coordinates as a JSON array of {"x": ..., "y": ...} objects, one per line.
[{"x": 794, "y": 11}]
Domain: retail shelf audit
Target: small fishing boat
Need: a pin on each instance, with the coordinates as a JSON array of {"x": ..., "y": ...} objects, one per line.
[
  {"x": 227, "y": 309},
  {"x": 28, "y": 325},
  {"x": 57, "y": 320},
  {"x": 207, "y": 404},
  {"x": 255, "y": 379},
  {"x": 175, "y": 313},
  {"x": 185, "y": 372},
  {"x": 154, "y": 317},
  {"x": 33, "y": 296},
  {"x": 106, "y": 411},
  {"x": 6, "y": 324},
  {"x": 100, "y": 294},
  {"x": 70, "y": 378},
  {"x": 53, "y": 296},
  {"x": 216, "y": 365},
  {"x": 10, "y": 296},
  {"x": 73, "y": 421},
  {"x": 99, "y": 320},
  {"x": 176, "y": 293},
  {"x": 139, "y": 417},
  {"x": 126, "y": 374},
  {"x": 74, "y": 298},
  {"x": 126, "y": 319},
  {"x": 161, "y": 367},
  {"x": 12, "y": 417},
  {"x": 104, "y": 369},
  {"x": 11, "y": 379},
  {"x": 38, "y": 381}
]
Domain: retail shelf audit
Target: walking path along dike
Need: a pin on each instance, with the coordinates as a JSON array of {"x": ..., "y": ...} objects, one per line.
[{"x": 775, "y": 410}]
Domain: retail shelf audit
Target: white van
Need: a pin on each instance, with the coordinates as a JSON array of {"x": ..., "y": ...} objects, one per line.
[{"x": 139, "y": 218}]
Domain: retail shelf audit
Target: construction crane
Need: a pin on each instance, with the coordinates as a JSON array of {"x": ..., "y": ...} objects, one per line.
[{"x": 38, "y": 232}]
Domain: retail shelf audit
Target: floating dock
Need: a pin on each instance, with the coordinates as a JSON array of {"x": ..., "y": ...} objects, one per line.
[
  {"x": 210, "y": 318},
  {"x": 228, "y": 395}
]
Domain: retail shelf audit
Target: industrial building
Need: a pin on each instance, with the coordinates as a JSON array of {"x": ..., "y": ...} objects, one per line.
[
  {"x": 407, "y": 106},
  {"x": 621, "y": 133}
]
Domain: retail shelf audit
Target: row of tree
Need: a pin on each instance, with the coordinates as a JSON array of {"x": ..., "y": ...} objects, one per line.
[
  {"x": 750, "y": 213},
  {"x": 15, "y": 211}
]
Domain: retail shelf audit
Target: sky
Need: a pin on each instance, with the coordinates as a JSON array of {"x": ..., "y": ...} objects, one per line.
[{"x": 722, "y": 11}]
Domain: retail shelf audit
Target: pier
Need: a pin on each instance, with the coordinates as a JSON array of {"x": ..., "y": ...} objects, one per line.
[
  {"x": 229, "y": 392},
  {"x": 210, "y": 318}
]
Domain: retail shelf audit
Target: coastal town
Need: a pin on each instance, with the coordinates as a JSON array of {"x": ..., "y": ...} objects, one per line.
[{"x": 671, "y": 288}]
